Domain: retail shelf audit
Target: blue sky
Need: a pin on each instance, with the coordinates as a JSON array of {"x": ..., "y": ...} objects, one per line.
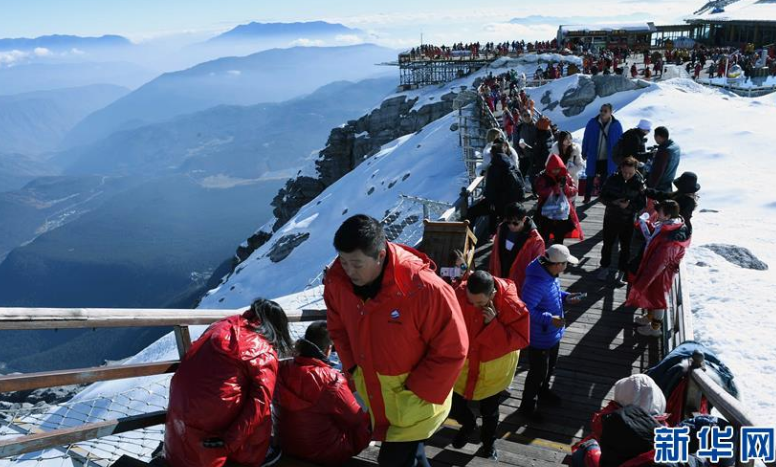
[{"x": 395, "y": 20}]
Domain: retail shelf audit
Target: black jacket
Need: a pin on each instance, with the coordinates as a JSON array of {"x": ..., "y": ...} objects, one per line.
[
  {"x": 616, "y": 188},
  {"x": 503, "y": 182},
  {"x": 626, "y": 433},
  {"x": 631, "y": 143}
]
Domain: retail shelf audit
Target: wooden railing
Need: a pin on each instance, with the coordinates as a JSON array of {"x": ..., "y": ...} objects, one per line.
[
  {"x": 72, "y": 318},
  {"x": 677, "y": 329}
]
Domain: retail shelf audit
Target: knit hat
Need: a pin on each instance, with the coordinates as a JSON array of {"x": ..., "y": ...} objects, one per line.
[{"x": 645, "y": 125}]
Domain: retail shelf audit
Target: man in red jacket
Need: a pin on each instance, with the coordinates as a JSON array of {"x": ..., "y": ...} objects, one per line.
[
  {"x": 498, "y": 327},
  {"x": 319, "y": 420},
  {"x": 516, "y": 244},
  {"x": 398, "y": 330}
]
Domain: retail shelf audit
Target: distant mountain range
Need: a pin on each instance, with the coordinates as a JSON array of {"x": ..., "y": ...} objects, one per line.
[
  {"x": 29, "y": 77},
  {"x": 35, "y": 122},
  {"x": 63, "y": 42},
  {"x": 180, "y": 195},
  {"x": 300, "y": 30},
  {"x": 270, "y": 76}
]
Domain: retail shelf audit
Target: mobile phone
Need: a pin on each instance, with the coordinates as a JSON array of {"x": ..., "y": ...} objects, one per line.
[{"x": 582, "y": 295}]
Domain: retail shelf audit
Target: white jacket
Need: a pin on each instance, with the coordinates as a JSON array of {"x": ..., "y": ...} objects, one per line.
[{"x": 576, "y": 164}]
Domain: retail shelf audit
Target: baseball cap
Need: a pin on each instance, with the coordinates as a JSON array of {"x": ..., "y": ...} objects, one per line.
[{"x": 560, "y": 254}]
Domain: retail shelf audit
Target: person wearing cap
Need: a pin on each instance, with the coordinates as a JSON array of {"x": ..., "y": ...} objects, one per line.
[
  {"x": 497, "y": 323},
  {"x": 544, "y": 299},
  {"x": 665, "y": 163},
  {"x": 686, "y": 195},
  {"x": 632, "y": 143}
]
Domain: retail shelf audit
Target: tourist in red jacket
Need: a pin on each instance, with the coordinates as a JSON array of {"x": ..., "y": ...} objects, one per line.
[
  {"x": 554, "y": 181},
  {"x": 667, "y": 241},
  {"x": 516, "y": 244},
  {"x": 220, "y": 396},
  {"x": 498, "y": 327},
  {"x": 398, "y": 331},
  {"x": 319, "y": 419}
]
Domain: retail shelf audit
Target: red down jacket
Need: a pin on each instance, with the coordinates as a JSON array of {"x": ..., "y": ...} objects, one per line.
[
  {"x": 658, "y": 266},
  {"x": 493, "y": 347},
  {"x": 222, "y": 388},
  {"x": 546, "y": 185},
  {"x": 408, "y": 344},
  {"x": 319, "y": 419}
]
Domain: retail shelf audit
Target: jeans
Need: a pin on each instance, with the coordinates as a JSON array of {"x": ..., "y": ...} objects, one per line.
[
  {"x": 462, "y": 413},
  {"x": 541, "y": 367},
  {"x": 403, "y": 454},
  {"x": 617, "y": 230},
  {"x": 602, "y": 170}
]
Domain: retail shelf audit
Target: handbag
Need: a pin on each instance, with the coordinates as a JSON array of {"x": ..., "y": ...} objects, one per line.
[{"x": 556, "y": 207}]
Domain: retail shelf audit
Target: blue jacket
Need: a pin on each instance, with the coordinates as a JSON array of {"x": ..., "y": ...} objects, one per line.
[
  {"x": 590, "y": 144},
  {"x": 544, "y": 299}
]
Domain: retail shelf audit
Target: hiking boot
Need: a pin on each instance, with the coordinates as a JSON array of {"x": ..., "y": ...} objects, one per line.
[
  {"x": 586, "y": 200},
  {"x": 643, "y": 320},
  {"x": 649, "y": 331},
  {"x": 619, "y": 279},
  {"x": 489, "y": 451},
  {"x": 602, "y": 274},
  {"x": 273, "y": 456},
  {"x": 550, "y": 398},
  {"x": 462, "y": 437}
]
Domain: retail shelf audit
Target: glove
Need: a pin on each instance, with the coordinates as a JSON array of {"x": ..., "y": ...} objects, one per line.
[{"x": 213, "y": 443}]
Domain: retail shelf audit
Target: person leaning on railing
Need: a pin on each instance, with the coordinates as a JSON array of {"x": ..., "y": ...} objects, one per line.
[
  {"x": 220, "y": 396},
  {"x": 666, "y": 242}
]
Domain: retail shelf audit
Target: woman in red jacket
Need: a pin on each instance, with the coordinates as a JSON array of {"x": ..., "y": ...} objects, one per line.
[
  {"x": 319, "y": 419},
  {"x": 667, "y": 241},
  {"x": 552, "y": 184},
  {"x": 220, "y": 395}
]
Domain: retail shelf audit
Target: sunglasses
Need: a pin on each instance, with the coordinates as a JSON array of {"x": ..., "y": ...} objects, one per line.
[{"x": 516, "y": 224}]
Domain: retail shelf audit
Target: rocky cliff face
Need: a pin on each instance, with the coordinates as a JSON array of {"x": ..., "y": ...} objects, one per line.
[
  {"x": 575, "y": 100},
  {"x": 347, "y": 147}
]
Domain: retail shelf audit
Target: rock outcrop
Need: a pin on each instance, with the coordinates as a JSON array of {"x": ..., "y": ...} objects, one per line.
[
  {"x": 589, "y": 88},
  {"x": 738, "y": 255}
]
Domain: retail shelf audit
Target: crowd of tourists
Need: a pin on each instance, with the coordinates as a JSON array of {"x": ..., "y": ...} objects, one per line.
[{"x": 416, "y": 349}]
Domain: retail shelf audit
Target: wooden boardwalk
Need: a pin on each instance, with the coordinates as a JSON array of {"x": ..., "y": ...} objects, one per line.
[{"x": 600, "y": 347}]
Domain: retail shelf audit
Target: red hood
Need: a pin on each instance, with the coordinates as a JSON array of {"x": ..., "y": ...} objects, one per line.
[
  {"x": 413, "y": 260},
  {"x": 236, "y": 336},
  {"x": 301, "y": 382},
  {"x": 555, "y": 162}
]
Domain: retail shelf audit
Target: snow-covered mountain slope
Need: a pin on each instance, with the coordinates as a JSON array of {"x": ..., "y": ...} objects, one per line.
[{"x": 427, "y": 164}]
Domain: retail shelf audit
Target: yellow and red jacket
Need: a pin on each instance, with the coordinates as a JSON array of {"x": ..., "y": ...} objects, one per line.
[
  {"x": 494, "y": 348},
  {"x": 408, "y": 343}
]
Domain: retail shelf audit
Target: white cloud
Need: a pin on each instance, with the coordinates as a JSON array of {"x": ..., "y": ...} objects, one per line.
[
  {"x": 304, "y": 42},
  {"x": 75, "y": 51},
  {"x": 348, "y": 39},
  {"x": 234, "y": 72},
  {"x": 11, "y": 57},
  {"x": 42, "y": 52}
]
